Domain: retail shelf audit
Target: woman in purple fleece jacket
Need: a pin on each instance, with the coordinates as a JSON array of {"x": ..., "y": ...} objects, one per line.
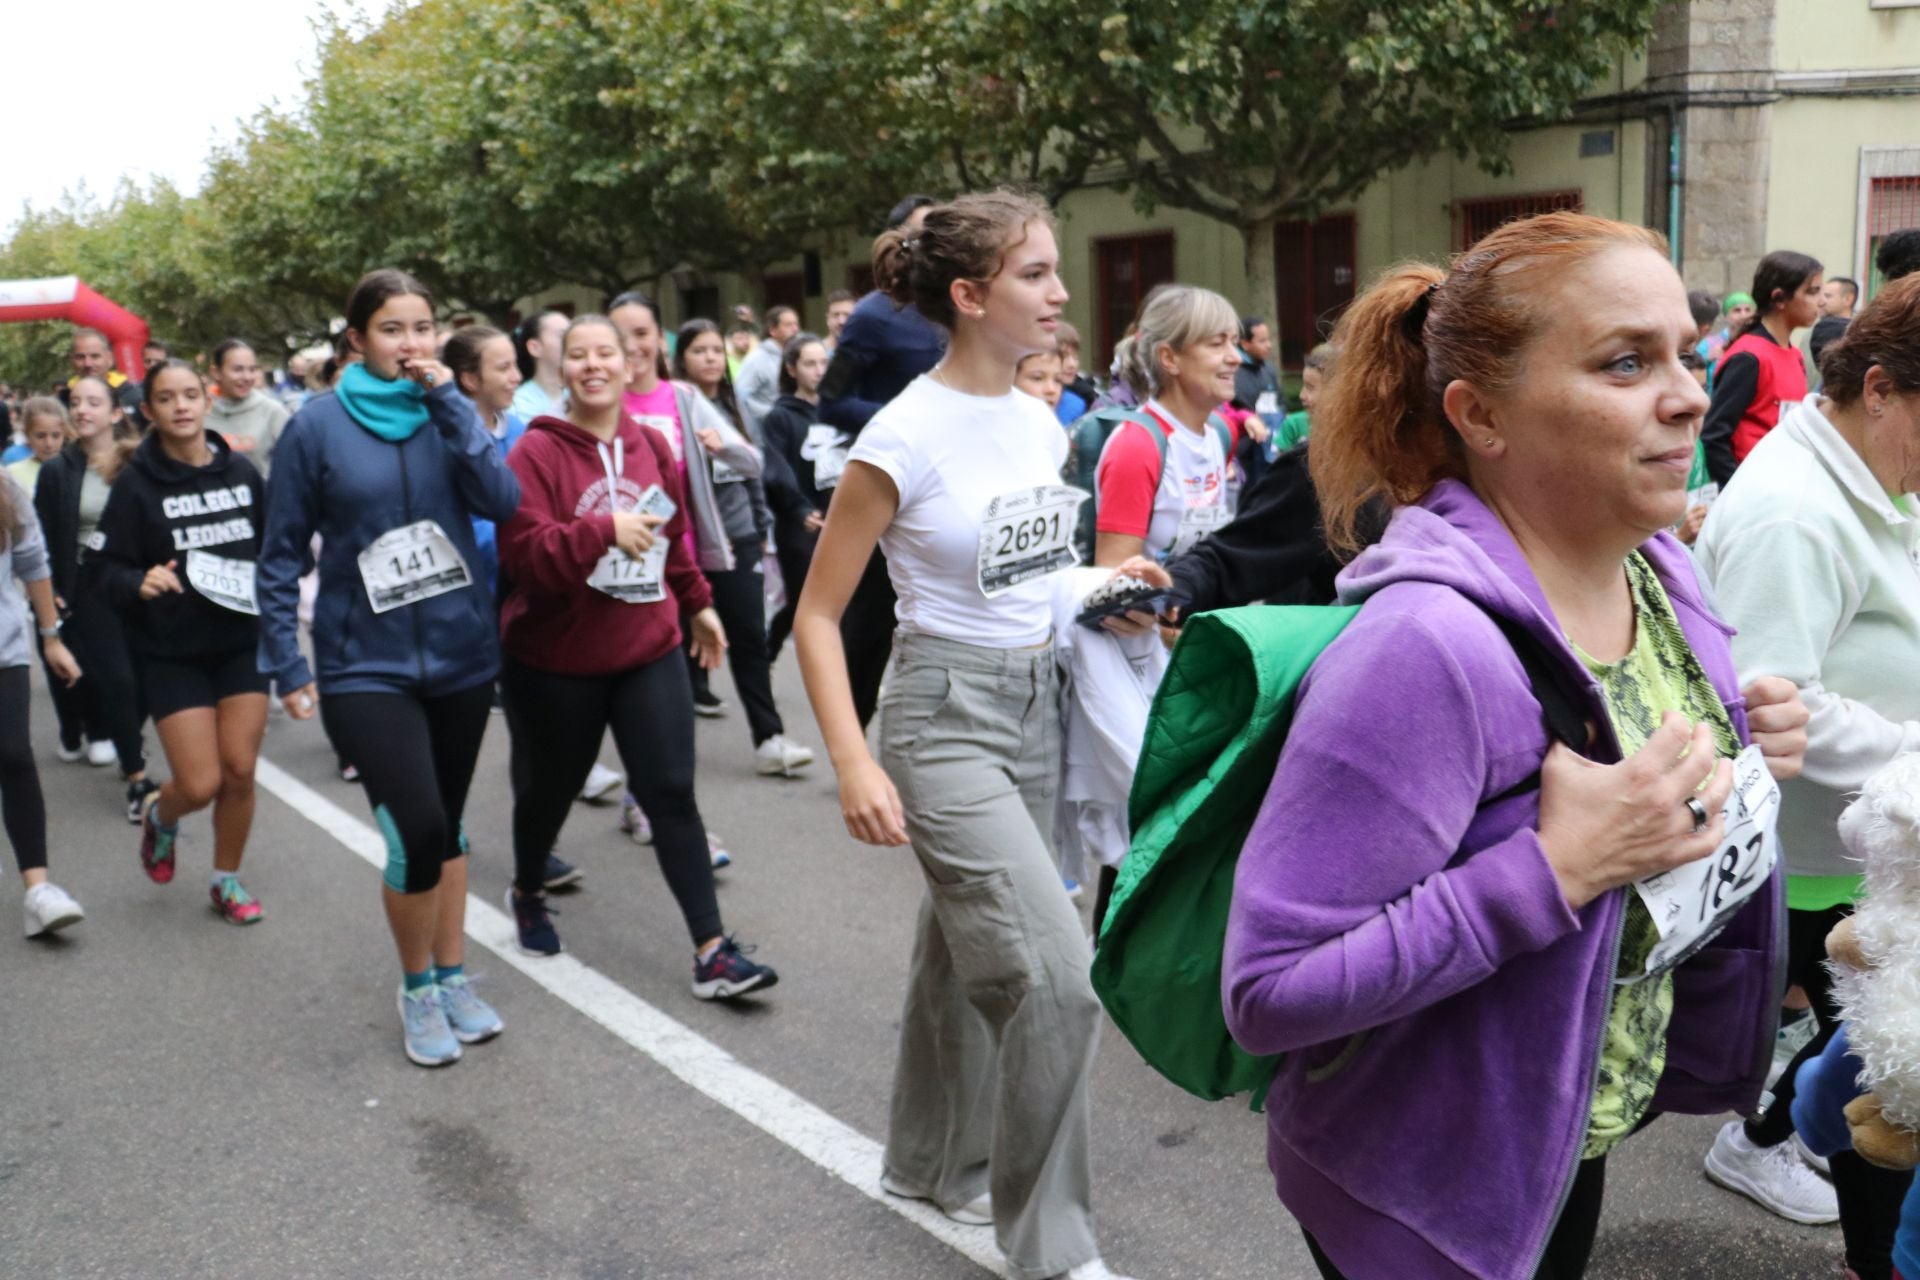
[{"x": 1433, "y": 941}]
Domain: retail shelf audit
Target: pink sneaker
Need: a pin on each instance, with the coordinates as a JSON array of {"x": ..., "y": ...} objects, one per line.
[{"x": 234, "y": 903}]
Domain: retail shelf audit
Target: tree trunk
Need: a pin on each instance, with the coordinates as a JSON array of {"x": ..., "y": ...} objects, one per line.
[
  {"x": 1263, "y": 294},
  {"x": 754, "y": 273}
]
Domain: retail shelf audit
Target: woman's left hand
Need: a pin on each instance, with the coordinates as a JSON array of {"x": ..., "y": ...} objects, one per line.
[
  {"x": 709, "y": 639},
  {"x": 1138, "y": 622},
  {"x": 710, "y": 438},
  {"x": 1777, "y": 719}
]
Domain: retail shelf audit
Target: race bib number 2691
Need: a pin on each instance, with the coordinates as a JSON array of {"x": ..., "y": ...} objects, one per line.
[{"x": 1028, "y": 534}]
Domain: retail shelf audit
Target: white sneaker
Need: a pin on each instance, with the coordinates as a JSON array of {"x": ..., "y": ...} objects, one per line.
[
  {"x": 779, "y": 757},
  {"x": 102, "y": 754},
  {"x": 977, "y": 1212},
  {"x": 1095, "y": 1270},
  {"x": 1819, "y": 1164},
  {"x": 1776, "y": 1178},
  {"x": 602, "y": 784},
  {"x": 49, "y": 909},
  {"x": 71, "y": 755},
  {"x": 1792, "y": 1038}
]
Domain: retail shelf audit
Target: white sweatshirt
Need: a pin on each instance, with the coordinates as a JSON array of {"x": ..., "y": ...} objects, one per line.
[{"x": 1820, "y": 571}]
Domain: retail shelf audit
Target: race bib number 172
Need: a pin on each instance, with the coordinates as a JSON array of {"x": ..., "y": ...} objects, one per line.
[{"x": 1028, "y": 534}]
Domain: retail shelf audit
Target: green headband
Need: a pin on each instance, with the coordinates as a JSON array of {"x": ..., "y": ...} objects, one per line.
[{"x": 1736, "y": 299}]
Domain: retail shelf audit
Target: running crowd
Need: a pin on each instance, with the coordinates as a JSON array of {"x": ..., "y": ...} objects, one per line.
[{"x": 1631, "y": 577}]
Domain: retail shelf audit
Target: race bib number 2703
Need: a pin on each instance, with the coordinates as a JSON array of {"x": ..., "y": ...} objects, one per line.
[{"x": 1028, "y": 534}]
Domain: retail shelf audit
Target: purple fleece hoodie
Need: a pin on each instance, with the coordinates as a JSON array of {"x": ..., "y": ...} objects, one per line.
[{"x": 1409, "y": 950}]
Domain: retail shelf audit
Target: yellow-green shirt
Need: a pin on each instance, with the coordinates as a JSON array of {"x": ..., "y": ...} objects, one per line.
[{"x": 1660, "y": 674}]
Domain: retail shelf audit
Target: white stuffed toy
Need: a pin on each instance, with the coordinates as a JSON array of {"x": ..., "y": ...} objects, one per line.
[{"x": 1877, "y": 974}]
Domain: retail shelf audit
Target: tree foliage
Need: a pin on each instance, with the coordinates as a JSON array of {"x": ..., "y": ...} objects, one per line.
[{"x": 495, "y": 149}]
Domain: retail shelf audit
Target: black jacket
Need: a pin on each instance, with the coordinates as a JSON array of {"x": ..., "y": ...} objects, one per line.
[
  {"x": 56, "y": 500},
  {"x": 1274, "y": 551},
  {"x": 161, "y": 510},
  {"x": 785, "y": 427}
]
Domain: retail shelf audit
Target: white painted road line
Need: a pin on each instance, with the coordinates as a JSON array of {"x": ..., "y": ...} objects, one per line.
[{"x": 842, "y": 1151}]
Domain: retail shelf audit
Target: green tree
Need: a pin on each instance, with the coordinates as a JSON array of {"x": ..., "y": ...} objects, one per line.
[{"x": 1256, "y": 113}]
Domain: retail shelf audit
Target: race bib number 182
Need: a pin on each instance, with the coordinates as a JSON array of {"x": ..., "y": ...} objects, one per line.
[
  {"x": 1692, "y": 904},
  {"x": 1028, "y": 534}
]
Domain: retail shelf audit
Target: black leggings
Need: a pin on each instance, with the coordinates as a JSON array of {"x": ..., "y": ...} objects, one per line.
[
  {"x": 1567, "y": 1248},
  {"x": 794, "y": 544},
  {"x": 740, "y": 598},
  {"x": 866, "y": 631},
  {"x": 22, "y": 807},
  {"x": 1870, "y": 1197},
  {"x": 109, "y": 687},
  {"x": 416, "y": 758},
  {"x": 558, "y": 722},
  {"x": 69, "y": 708}
]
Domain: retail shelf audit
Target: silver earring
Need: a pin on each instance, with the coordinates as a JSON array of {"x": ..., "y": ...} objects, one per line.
[
  {"x": 1489, "y": 442},
  {"x": 1877, "y": 408}
]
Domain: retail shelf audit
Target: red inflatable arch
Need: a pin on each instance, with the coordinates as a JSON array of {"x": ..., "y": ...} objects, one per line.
[{"x": 66, "y": 298}]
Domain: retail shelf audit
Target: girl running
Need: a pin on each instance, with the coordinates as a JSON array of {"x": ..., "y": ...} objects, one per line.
[
  {"x": 70, "y": 499},
  {"x": 247, "y": 418},
  {"x": 174, "y": 555},
  {"x": 600, "y": 574},
  {"x": 44, "y": 422},
  {"x": 813, "y": 455},
  {"x": 47, "y": 907},
  {"x": 957, "y": 480},
  {"x": 389, "y": 469},
  {"x": 739, "y": 592}
]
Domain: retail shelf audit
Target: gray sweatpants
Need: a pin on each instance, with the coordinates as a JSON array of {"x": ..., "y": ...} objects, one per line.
[{"x": 1001, "y": 1020}]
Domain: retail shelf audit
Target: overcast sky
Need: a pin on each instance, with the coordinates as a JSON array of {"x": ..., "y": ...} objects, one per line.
[{"x": 91, "y": 90}]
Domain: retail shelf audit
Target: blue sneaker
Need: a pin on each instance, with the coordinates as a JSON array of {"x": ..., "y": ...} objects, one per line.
[
  {"x": 471, "y": 1018},
  {"x": 424, "y": 1031},
  {"x": 532, "y": 927},
  {"x": 728, "y": 973}
]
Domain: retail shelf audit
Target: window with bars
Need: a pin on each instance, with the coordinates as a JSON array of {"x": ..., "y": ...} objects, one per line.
[
  {"x": 1893, "y": 204},
  {"x": 1314, "y": 273},
  {"x": 1125, "y": 269},
  {"x": 1473, "y": 219}
]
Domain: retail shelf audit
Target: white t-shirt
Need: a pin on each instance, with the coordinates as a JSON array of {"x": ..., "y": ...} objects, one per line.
[{"x": 957, "y": 461}]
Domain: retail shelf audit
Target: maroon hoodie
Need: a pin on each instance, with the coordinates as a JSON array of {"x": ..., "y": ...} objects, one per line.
[{"x": 551, "y": 619}]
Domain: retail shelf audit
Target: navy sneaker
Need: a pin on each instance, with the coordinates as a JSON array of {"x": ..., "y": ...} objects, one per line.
[
  {"x": 728, "y": 973},
  {"x": 559, "y": 873},
  {"x": 532, "y": 928},
  {"x": 137, "y": 802}
]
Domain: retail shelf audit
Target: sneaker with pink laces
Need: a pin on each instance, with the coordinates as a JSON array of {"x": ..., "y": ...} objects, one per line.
[{"x": 234, "y": 903}]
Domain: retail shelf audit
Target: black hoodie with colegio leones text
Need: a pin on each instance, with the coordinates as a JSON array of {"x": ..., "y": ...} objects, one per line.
[{"x": 207, "y": 523}]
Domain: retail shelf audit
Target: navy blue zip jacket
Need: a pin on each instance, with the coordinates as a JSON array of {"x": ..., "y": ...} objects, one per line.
[
  {"x": 335, "y": 478},
  {"x": 882, "y": 349}
]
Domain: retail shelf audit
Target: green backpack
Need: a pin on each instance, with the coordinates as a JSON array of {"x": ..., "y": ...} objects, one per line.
[
  {"x": 1218, "y": 723},
  {"x": 1087, "y": 438}
]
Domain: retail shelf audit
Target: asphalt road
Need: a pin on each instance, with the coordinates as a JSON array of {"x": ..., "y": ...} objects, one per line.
[{"x": 181, "y": 1098}]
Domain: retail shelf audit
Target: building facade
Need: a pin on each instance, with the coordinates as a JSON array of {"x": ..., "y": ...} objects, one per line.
[{"x": 1743, "y": 126}]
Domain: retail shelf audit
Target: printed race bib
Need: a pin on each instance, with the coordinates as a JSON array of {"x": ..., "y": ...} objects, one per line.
[
  {"x": 1195, "y": 524},
  {"x": 407, "y": 565},
  {"x": 629, "y": 580},
  {"x": 826, "y": 448},
  {"x": 1692, "y": 904},
  {"x": 228, "y": 583},
  {"x": 1267, "y": 405},
  {"x": 1028, "y": 534}
]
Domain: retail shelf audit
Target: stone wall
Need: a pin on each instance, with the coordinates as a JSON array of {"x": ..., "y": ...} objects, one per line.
[{"x": 1708, "y": 50}]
